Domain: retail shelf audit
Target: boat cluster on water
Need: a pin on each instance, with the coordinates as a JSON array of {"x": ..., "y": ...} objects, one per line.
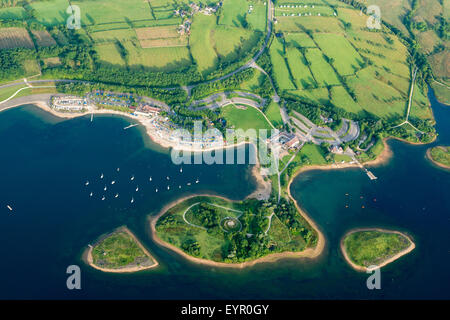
[{"x": 132, "y": 178}]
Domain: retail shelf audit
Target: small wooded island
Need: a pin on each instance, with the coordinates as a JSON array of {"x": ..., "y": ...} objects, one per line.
[
  {"x": 119, "y": 251},
  {"x": 363, "y": 248},
  {"x": 440, "y": 156},
  {"x": 218, "y": 231}
]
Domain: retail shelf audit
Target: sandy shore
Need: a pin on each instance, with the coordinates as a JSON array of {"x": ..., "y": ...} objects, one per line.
[
  {"x": 429, "y": 157},
  {"x": 308, "y": 253},
  {"x": 384, "y": 263},
  {"x": 88, "y": 258}
]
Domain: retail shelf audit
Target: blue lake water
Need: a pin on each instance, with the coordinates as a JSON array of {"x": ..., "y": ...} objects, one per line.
[{"x": 45, "y": 163}]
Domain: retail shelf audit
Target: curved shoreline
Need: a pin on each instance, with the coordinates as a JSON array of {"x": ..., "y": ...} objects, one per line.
[
  {"x": 411, "y": 247},
  {"x": 88, "y": 258},
  {"x": 430, "y": 158},
  {"x": 307, "y": 253},
  {"x": 312, "y": 253}
]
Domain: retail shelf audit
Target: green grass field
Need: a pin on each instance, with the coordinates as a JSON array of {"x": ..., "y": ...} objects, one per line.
[
  {"x": 201, "y": 44},
  {"x": 233, "y": 13},
  {"x": 257, "y": 19},
  {"x": 107, "y": 11},
  {"x": 230, "y": 42},
  {"x": 299, "y": 40},
  {"x": 281, "y": 71},
  {"x": 367, "y": 248},
  {"x": 245, "y": 119},
  {"x": 163, "y": 59},
  {"x": 341, "y": 99},
  {"x": 346, "y": 59},
  {"x": 51, "y": 12},
  {"x": 273, "y": 114},
  {"x": 299, "y": 69},
  {"x": 322, "y": 71}
]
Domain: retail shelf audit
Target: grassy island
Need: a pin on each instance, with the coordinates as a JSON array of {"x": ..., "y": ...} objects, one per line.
[
  {"x": 440, "y": 156},
  {"x": 374, "y": 247},
  {"x": 120, "y": 251},
  {"x": 218, "y": 231}
]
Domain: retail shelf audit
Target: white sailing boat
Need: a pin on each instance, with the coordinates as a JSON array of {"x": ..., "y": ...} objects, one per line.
[
  {"x": 114, "y": 181},
  {"x": 188, "y": 183},
  {"x": 197, "y": 181},
  {"x": 101, "y": 177},
  {"x": 103, "y": 198},
  {"x": 167, "y": 178},
  {"x": 168, "y": 187},
  {"x": 137, "y": 189},
  {"x": 181, "y": 169},
  {"x": 87, "y": 183},
  {"x": 179, "y": 187},
  {"x": 118, "y": 169},
  {"x": 132, "y": 200},
  {"x": 105, "y": 188},
  {"x": 150, "y": 179},
  {"x": 156, "y": 190},
  {"x": 132, "y": 178},
  {"x": 91, "y": 194},
  {"x": 116, "y": 196}
]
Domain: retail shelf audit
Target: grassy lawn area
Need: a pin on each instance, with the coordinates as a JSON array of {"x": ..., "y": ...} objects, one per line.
[
  {"x": 313, "y": 153},
  {"x": 119, "y": 250},
  {"x": 248, "y": 118},
  {"x": 5, "y": 93},
  {"x": 366, "y": 248},
  {"x": 273, "y": 114}
]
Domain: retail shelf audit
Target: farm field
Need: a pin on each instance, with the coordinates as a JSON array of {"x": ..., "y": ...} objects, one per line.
[
  {"x": 317, "y": 96},
  {"x": 15, "y": 38},
  {"x": 322, "y": 71},
  {"x": 163, "y": 59},
  {"x": 107, "y": 11},
  {"x": 43, "y": 38},
  {"x": 257, "y": 19},
  {"x": 301, "y": 40},
  {"x": 201, "y": 44},
  {"x": 299, "y": 69},
  {"x": 281, "y": 71},
  {"x": 346, "y": 59}
]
